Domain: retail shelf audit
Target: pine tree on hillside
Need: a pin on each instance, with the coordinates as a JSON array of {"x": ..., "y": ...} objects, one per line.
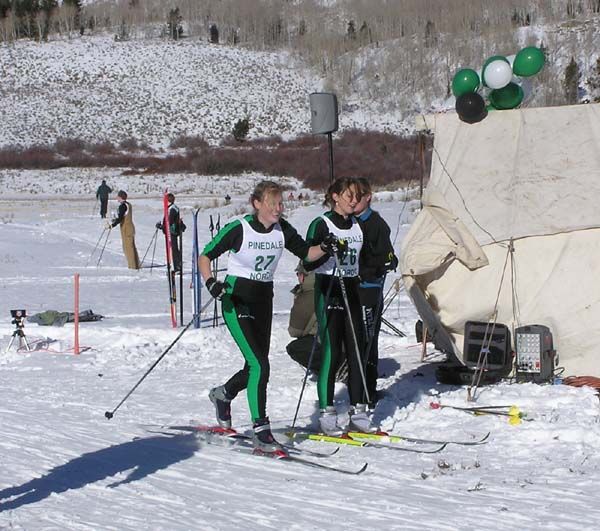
[
  {"x": 351, "y": 30},
  {"x": 48, "y": 8},
  {"x": 214, "y": 34},
  {"x": 241, "y": 129},
  {"x": 593, "y": 82},
  {"x": 571, "y": 82},
  {"x": 174, "y": 27}
]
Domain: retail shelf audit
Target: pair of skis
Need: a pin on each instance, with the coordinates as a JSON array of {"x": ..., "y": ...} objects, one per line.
[
  {"x": 170, "y": 265},
  {"x": 384, "y": 440},
  {"x": 243, "y": 444}
]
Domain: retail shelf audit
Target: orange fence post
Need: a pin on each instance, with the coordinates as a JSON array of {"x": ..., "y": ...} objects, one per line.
[{"x": 76, "y": 347}]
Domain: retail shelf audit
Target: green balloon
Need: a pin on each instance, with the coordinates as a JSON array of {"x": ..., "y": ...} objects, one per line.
[
  {"x": 465, "y": 81},
  {"x": 528, "y": 62},
  {"x": 507, "y": 97},
  {"x": 487, "y": 62}
]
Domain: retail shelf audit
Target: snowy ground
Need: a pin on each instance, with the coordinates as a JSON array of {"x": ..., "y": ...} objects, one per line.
[{"x": 64, "y": 466}]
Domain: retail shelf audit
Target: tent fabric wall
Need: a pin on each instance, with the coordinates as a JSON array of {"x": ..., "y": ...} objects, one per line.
[{"x": 528, "y": 177}]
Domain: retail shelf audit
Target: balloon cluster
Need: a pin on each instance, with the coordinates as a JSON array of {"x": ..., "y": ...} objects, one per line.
[{"x": 498, "y": 75}]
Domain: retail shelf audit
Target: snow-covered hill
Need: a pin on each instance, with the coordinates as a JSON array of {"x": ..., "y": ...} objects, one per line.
[{"x": 95, "y": 89}]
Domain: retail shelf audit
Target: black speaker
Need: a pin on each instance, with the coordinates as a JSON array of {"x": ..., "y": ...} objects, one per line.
[
  {"x": 323, "y": 113},
  {"x": 479, "y": 336}
]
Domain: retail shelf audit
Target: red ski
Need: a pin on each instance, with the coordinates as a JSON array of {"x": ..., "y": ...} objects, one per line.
[{"x": 169, "y": 250}]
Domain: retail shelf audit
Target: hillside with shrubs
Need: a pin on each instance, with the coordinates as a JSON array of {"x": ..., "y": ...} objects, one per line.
[{"x": 148, "y": 84}]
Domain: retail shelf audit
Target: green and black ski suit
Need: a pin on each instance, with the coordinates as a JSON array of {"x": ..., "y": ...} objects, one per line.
[
  {"x": 335, "y": 333},
  {"x": 247, "y": 305}
]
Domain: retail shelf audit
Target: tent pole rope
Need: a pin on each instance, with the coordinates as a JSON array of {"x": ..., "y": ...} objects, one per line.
[
  {"x": 487, "y": 340},
  {"x": 515, "y": 297}
]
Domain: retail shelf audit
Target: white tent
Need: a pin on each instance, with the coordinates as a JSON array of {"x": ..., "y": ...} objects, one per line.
[{"x": 511, "y": 214}]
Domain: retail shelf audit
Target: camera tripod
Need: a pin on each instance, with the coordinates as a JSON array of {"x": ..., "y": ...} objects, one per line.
[{"x": 19, "y": 324}]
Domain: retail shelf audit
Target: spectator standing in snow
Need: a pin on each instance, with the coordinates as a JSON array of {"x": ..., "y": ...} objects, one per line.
[
  {"x": 335, "y": 320},
  {"x": 376, "y": 259},
  {"x": 176, "y": 228},
  {"x": 125, "y": 220},
  {"x": 102, "y": 195},
  {"x": 255, "y": 243}
]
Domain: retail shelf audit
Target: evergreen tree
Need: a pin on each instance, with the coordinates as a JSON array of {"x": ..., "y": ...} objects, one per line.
[
  {"x": 241, "y": 129},
  {"x": 351, "y": 30},
  {"x": 571, "y": 81},
  {"x": 214, "y": 34},
  {"x": 593, "y": 82},
  {"x": 174, "y": 27},
  {"x": 48, "y": 7}
]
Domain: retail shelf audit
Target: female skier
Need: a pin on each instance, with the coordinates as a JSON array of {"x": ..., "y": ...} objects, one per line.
[
  {"x": 255, "y": 243},
  {"x": 338, "y": 313}
]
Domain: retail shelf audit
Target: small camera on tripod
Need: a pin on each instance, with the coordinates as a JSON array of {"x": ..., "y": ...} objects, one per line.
[
  {"x": 19, "y": 322},
  {"x": 18, "y": 316}
]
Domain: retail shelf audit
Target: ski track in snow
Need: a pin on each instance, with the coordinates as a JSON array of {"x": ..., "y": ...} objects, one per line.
[{"x": 64, "y": 466}]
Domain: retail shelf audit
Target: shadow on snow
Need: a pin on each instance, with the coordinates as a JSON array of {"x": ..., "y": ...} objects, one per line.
[{"x": 142, "y": 456}]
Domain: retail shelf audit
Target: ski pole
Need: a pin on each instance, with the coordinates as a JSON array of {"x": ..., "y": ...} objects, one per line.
[
  {"x": 103, "y": 247},
  {"x": 109, "y": 414},
  {"x": 96, "y": 247},
  {"x": 153, "y": 251},
  {"x": 149, "y": 245},
  {"x": 312, "y": 353},
  {"x": 180, "y": 277},
  {"x": 216, "y": 272},
  {"x": 354, "y": 339},
  {"x": 376, "y": 322}
]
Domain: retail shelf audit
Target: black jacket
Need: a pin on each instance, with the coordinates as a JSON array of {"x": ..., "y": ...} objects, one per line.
[{"x": 377, "y": 255}]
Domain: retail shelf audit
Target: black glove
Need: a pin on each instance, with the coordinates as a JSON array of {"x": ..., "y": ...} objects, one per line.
[
  {"x": 216, "y": 288},
  {"x": 182, "y": 226},
  {"x": 159, "y": 225},
  {"x": 330, "y": 244},
  {"x": 392, "y": 263}
]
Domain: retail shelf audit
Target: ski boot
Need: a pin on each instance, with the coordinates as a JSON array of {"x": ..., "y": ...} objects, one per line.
[
  {"x": 264, "y": 442},
  {"x": 218, "y": 396},
  {"x": 359, "y": 419},
  {"x": 328, "y": 422}
]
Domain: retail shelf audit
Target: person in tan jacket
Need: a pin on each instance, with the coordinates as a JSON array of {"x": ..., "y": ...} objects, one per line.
[
  {"x": 125, "y": 220},
  {"x": 303, "y": 325}
]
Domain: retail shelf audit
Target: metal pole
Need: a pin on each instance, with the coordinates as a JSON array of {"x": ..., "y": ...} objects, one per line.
[
  {"x": 330, "y": 143},
  {"x": 355, "y": 340},
  {"x": 110, "y": 414}
]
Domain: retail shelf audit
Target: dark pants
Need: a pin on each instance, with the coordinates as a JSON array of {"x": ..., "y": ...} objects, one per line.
[
  {"x": 299, "y": 350},
  {"x": 250, "y": 326},
  {"x": 103, "y": 207},
  {"x": 176, "y": 253},
  {"x": 372, "y": 307},
  {"x": 337, "y": 343}
]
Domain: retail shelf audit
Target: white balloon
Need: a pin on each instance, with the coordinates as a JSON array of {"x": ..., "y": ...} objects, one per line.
[{"x": 497, "y": 74}]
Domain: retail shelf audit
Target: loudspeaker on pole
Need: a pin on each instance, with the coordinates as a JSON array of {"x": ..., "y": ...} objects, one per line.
[{"x": 323, "y": 112}]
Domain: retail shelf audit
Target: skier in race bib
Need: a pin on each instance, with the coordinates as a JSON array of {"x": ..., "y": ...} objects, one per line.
[
  {"x": 339, "y": 316},
  {"x": 255, "y": 243}
]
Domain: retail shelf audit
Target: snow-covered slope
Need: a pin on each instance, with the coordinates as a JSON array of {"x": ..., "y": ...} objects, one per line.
[{"x": 95, "y": 89}]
